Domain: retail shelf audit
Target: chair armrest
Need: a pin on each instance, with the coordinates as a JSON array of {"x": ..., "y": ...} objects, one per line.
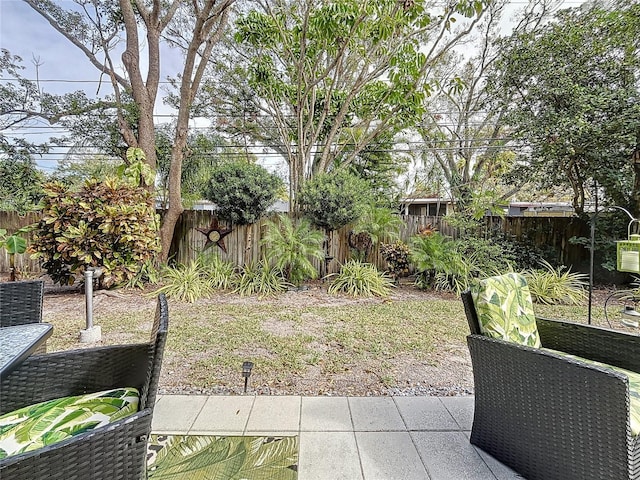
[
  {"x": 595, "y": 343},
  {"x": 117, "y": 450},
  {"x": 532, "y": 405},
  {"x": 76, "y": 372}
]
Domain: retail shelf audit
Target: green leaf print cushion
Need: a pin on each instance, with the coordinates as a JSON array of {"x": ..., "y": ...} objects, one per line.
[
  {"x": 505, "y": 309},
  {"x": 45, "y": 423}
]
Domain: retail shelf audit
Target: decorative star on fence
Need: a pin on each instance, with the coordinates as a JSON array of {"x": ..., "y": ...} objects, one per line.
[{"x": 215, "y": 234}]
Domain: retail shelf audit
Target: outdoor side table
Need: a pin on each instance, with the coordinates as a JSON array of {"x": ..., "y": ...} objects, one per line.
[{"x": 20, "y": 341}]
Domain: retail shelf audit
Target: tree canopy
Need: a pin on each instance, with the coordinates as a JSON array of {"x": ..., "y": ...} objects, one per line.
[
  {"x": 320, "y": 81},
  {"x": 467, "y": 149},
  {"x": 572, "y": 95}
]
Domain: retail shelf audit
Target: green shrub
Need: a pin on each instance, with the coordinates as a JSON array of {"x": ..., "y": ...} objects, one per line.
[
  {"x": 551, "y": 286},
  {"x": 186, "y": 283},
  {"x": 221, "y": 273},
  {"x": 242, "y": 192},
  {"x": 333, "y": 200},
  {"x": 291, "y": 247},
  {"x": 360, "y": 279},
  {"x": 259, "y": 278},
  {"x": 486, "y": 255},
  {"x": 110, "y": 224}
]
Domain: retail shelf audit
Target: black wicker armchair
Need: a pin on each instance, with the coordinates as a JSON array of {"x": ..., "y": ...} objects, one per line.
[
  {"x": 548, "y": 416},
  {"x": 21, "y": 302},
  {"x": 116, "y": 451}
]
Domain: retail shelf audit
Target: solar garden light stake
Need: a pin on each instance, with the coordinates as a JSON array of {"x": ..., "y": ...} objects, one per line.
[
  {"x": 92, "y": 333},
  {"x": 246, "y": 373}
]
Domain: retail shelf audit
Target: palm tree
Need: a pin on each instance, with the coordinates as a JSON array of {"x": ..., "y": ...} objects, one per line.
[{"x": 292, "y": 246}]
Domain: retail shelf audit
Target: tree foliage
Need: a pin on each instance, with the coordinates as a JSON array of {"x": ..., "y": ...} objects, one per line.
[
  {"x": 333, "y": 200},
  {"x": 319, "y": 81},
  {"x": 467, "y": 149},
  {"x": 242, "y": 192},
  {"x": 23, "y": 102},
  {"x": 20, "y": 184},
  {"x": 572, "y": 90}
]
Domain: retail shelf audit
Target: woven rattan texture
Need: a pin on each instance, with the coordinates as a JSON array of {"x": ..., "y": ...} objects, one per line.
[
  {"x": 115, "y": 451},
  {"x": 550, "y": 417},
  {"x": 21, "y": 302}
]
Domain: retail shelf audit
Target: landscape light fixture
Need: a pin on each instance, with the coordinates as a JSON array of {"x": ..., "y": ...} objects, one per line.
[{"x": 246, "y": 373}]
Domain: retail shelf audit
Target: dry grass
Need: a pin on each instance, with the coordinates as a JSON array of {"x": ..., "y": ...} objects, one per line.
[{"x": 305, "y": 342}]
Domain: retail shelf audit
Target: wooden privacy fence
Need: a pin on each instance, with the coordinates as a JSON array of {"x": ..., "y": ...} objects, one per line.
[{"x": 243, "y": 244}]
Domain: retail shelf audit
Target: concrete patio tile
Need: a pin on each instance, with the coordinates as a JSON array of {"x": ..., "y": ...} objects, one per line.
[
  {"x": 389, "y": 456},
  {"x": 461, "y": 408},
  {"x": 501, "y": 471},
  {"x": 176, "y": 413},
  {"x": 279, "y": 414},
  {"x": 425, "y": 413},
  {"x": 329, "y": 455},
  {"x": 375, "y": 414},
  {"x": 224, "y": 414},
  {"x": 450, "y": 456},
  {"x": 325, "y": 414}
]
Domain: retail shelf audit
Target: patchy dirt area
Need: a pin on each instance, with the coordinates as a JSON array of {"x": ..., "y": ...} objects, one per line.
[{"x": 445, "y": 371}]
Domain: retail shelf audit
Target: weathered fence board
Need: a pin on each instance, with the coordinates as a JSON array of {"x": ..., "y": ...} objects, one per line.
[{"x": 243, "y": 244}]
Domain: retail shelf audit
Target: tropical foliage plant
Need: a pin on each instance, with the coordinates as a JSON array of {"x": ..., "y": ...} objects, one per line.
[
  {"x": 551, "y": 286},
  {"x": 109, "y": 224},
  {"x": 291, "y": 247},
  {"x": 397, "y": 257},
  {"x": 14, "y": 245},
  {"x": 360, "y": 279},
  {"x": 436, "y": 255},
  {"x": 381, "y": 224},
  {"x": 260, "y": 278}
]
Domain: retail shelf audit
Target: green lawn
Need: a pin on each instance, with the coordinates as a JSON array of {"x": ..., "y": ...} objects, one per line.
[{"x": 352, "y": 347}]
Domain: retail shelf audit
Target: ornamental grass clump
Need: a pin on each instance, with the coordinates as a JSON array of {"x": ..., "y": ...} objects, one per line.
[
  {"x": 186, "y": 283},
  {"x": 221, "y": 273},
  {"x": 261, "y": 279},
  {"x": 552, "y": 286},
  {"x": 360, "y": 279}
]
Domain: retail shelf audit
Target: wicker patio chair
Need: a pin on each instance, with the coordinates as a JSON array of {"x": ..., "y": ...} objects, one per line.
[
  {"x": 548, "y": 416},
  {"x": 116, "y": 451},
  {"x": 21, "y": 302}
]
